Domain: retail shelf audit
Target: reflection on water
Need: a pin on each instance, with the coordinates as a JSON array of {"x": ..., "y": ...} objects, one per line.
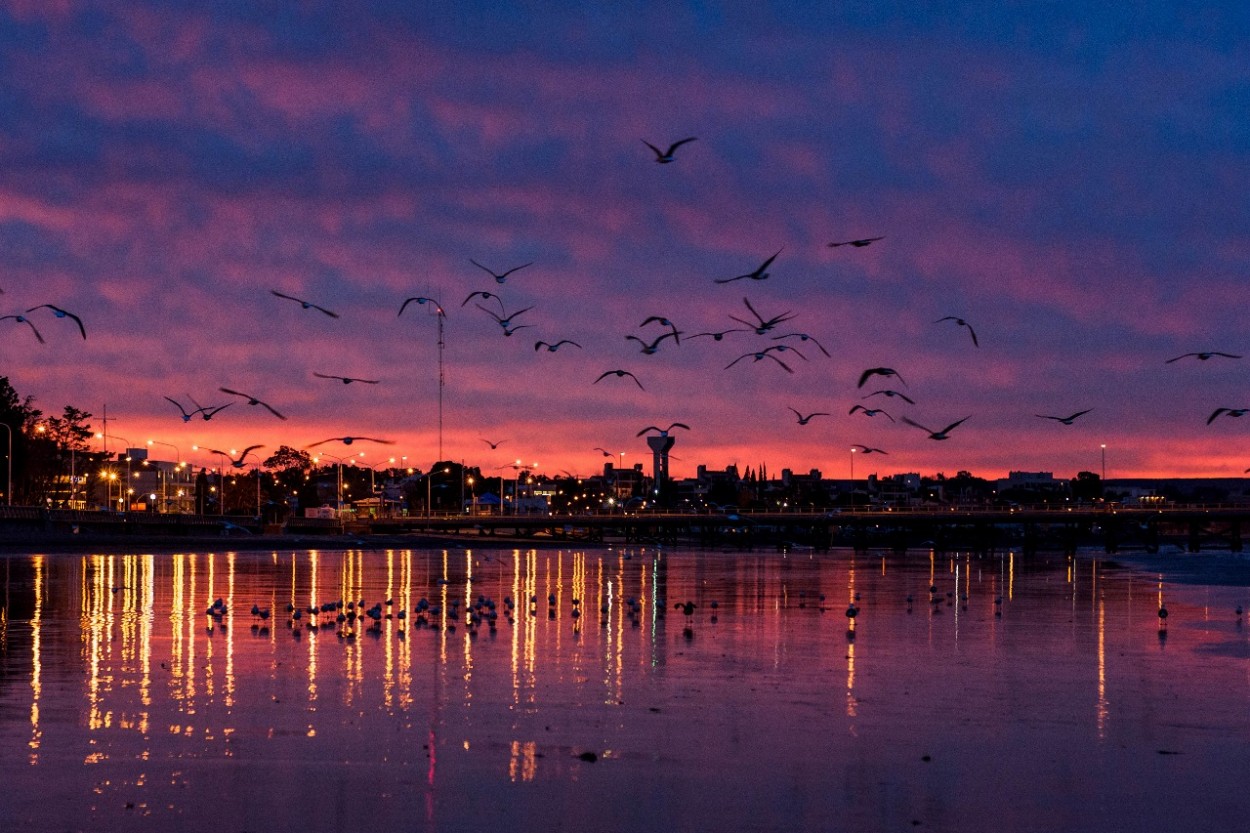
[{"x": 448, "y": 688}]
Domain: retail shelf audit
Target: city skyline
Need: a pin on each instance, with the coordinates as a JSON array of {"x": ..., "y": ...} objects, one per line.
[{"x": 1047, "y": 201}]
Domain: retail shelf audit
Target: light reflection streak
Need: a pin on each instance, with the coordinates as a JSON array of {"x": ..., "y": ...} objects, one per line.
[
  {"x": 230, "y": 629},
  {"x": 1102, "y": 710},
  {"x": 36, "y": 662}
]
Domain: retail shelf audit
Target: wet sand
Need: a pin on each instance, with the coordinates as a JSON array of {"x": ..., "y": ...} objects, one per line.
[{"x": 1047, "y": 699}]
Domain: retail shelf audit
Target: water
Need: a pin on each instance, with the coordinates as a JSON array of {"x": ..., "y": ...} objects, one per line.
[{"x": 1048, "y": 699}]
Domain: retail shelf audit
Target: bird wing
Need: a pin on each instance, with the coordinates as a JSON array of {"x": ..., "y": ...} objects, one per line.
[
  {"x": 758, "y": 317},
  {"x": 179, "y": 406},
  {"x": 866, "y": 375},
  {"x": 740, "y": 358},
  {"x": 271, "y": 409},
  {"x": 1178, "y": 358},
  {"x": 326, "y": 311},
  {"x": 513, "y": 269},
  {"x": 730, "y": 280},
  {"x": 490, "y": 313},
  {"x": 973, "y": 333},
  {"x": 679, "y": 425},
  {"x": 917, "y": 425},
  {"x": 288, "y": 297},
  {"x": 768, "y": 262},
  {"x": 236, "y": 393},
  {"x": 1214, "y": 414},
  {"x": 490, "y": 272},
  {"x": 1079, "y": 413},
  {"x": 780, "y": 362},
  {"x": 538, "y": 345},
  {"x": 248, "y": 451},
  {"x": 679, "y": 143},
  {"x": 658, "y": 153},
  {"x": 648, "y": 428},
  {"x": 954, "y": 425}
]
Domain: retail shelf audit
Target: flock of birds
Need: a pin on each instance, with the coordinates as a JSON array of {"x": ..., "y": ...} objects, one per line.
[{"x": 780, "y": 347}]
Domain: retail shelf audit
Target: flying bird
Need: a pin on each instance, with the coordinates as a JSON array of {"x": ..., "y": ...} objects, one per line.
[
  {"x": 493, "y": 445},
  {"x": 760, "y": 356},
  {"x": 551, "y": 348},
  {"x": 486, "y": 296},
  {"x": 859, "y": 244},
  {"x": 504, "y": 320},
  {"x": 21, "y": 319},
  {"x": 944, "y": 434},
  {"x": 663, "y": 431},
  {"x": 305, "y": 304},
  {"x": 1232, "y": 412},
  {"x": 650, "y": 349},
  {"x": 719, "y": 336},
  {"x": 870, "y": 411},
  {"x": 1068, "y": 420},
  {"x": 892, "y": 394},
  {"x": 499, "y": 277},
  {"x": 758, "y": 275},
  {"x": 761, "y": 325},
  {"x": 867, "y": 449},
  {"x": 347, "y": 380},
  {"x": 664, "y": 157},
  {"x": 878, "y": 371},
  {"x": 206, "y": 413},
  {"x": 803, "y": 420},
  {"x": 803, "y": 337},
  {"x": 618, "y": 374},
  {"x": 663, "y": 322},
  {"x": 1203, "y": 356},
  {"x": 252, "y": 400},
  {"x": 60, "y": 313},
  {"x": 961, "y": 323},
  {"x": 238, "y": 464},
  {"x": 421, "y": 299},
  {"x": 350, "y": 440},
  {"x": 606, "y": 453},
  {"x": 186, "y": 417}
]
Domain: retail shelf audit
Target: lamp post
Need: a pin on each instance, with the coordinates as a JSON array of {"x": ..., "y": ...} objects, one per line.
[
  {"x": 123, "y": 496},
  {"x": 1104, "y": 465},
  {"x": 177, "y": 465},
  {"x": 8, "y": 492},
  {"x": 338, "y": 495},
  {"x": 853, "y": 450}
]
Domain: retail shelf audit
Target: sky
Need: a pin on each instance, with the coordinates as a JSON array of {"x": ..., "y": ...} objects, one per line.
[{"x": 1068, "y": 179}]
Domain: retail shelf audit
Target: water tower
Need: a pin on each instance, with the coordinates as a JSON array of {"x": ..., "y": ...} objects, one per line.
[{"x": 660, "y": 444}]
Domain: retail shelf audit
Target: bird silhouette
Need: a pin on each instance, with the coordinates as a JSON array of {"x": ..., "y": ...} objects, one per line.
[
  {"x": 505, "y": 320},
  {"x": 493, "y": 445},
  {"x": 867, "y": 449},
  {"x": 962, "y": 323},
  {"x": 421, "y": 299},
  {"x": 859, "y": 244},
  {"x": 760, "y": 355},
  {"x": 551, "y": 348},
  {"x": 305, "y": 304},
  {"x": 347, "y": 380},
  {"x": 937, "y": 435},
  {"x": 878, "y": 371},
  {"x": 499, "y": 277},
  {"x": 759, "y": 274},
  {"x": 803, "y": 337},
  {"x": 892, "y": 394},
  {"x": 60, "y": 313},
  {"x": 486, "y": 296},
  {"x": 350, "y": 440},
  {"x": 659, "y": 319},
  {"x": 21, "y": 319},
  {"x": 665, "y": 157},
  {"x": 186, "y": 417},
  {"x": 252, "y": 400},
  {"x": 606, "y": 453},
  {"x": 762, "y": 325},
  {"x": 205, "y": 413},
  {"x": 618, "y": 374},
  {"x": 238, "y": 464},
  {"x": 1068, "y": 420},
  {"x": 1232, "y": 412},
  {"x": 663, "y": 431},
  {"x": 803, "y": 420},
  {"x": 508, "y": 331},
  {"x": 650, "y": 348},
  {"x": 872, "y": 412},
  {"x": 1203, "y": 356},
  {"x": 718, "y": 336}
]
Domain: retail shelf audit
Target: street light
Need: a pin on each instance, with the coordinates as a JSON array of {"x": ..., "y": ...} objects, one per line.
[
  {"x": 1104, "y": 465},
  {"x": 338, "y": 497},
  {"x": 122, "y": 496},
  {"x": 177, "y": 466}
]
